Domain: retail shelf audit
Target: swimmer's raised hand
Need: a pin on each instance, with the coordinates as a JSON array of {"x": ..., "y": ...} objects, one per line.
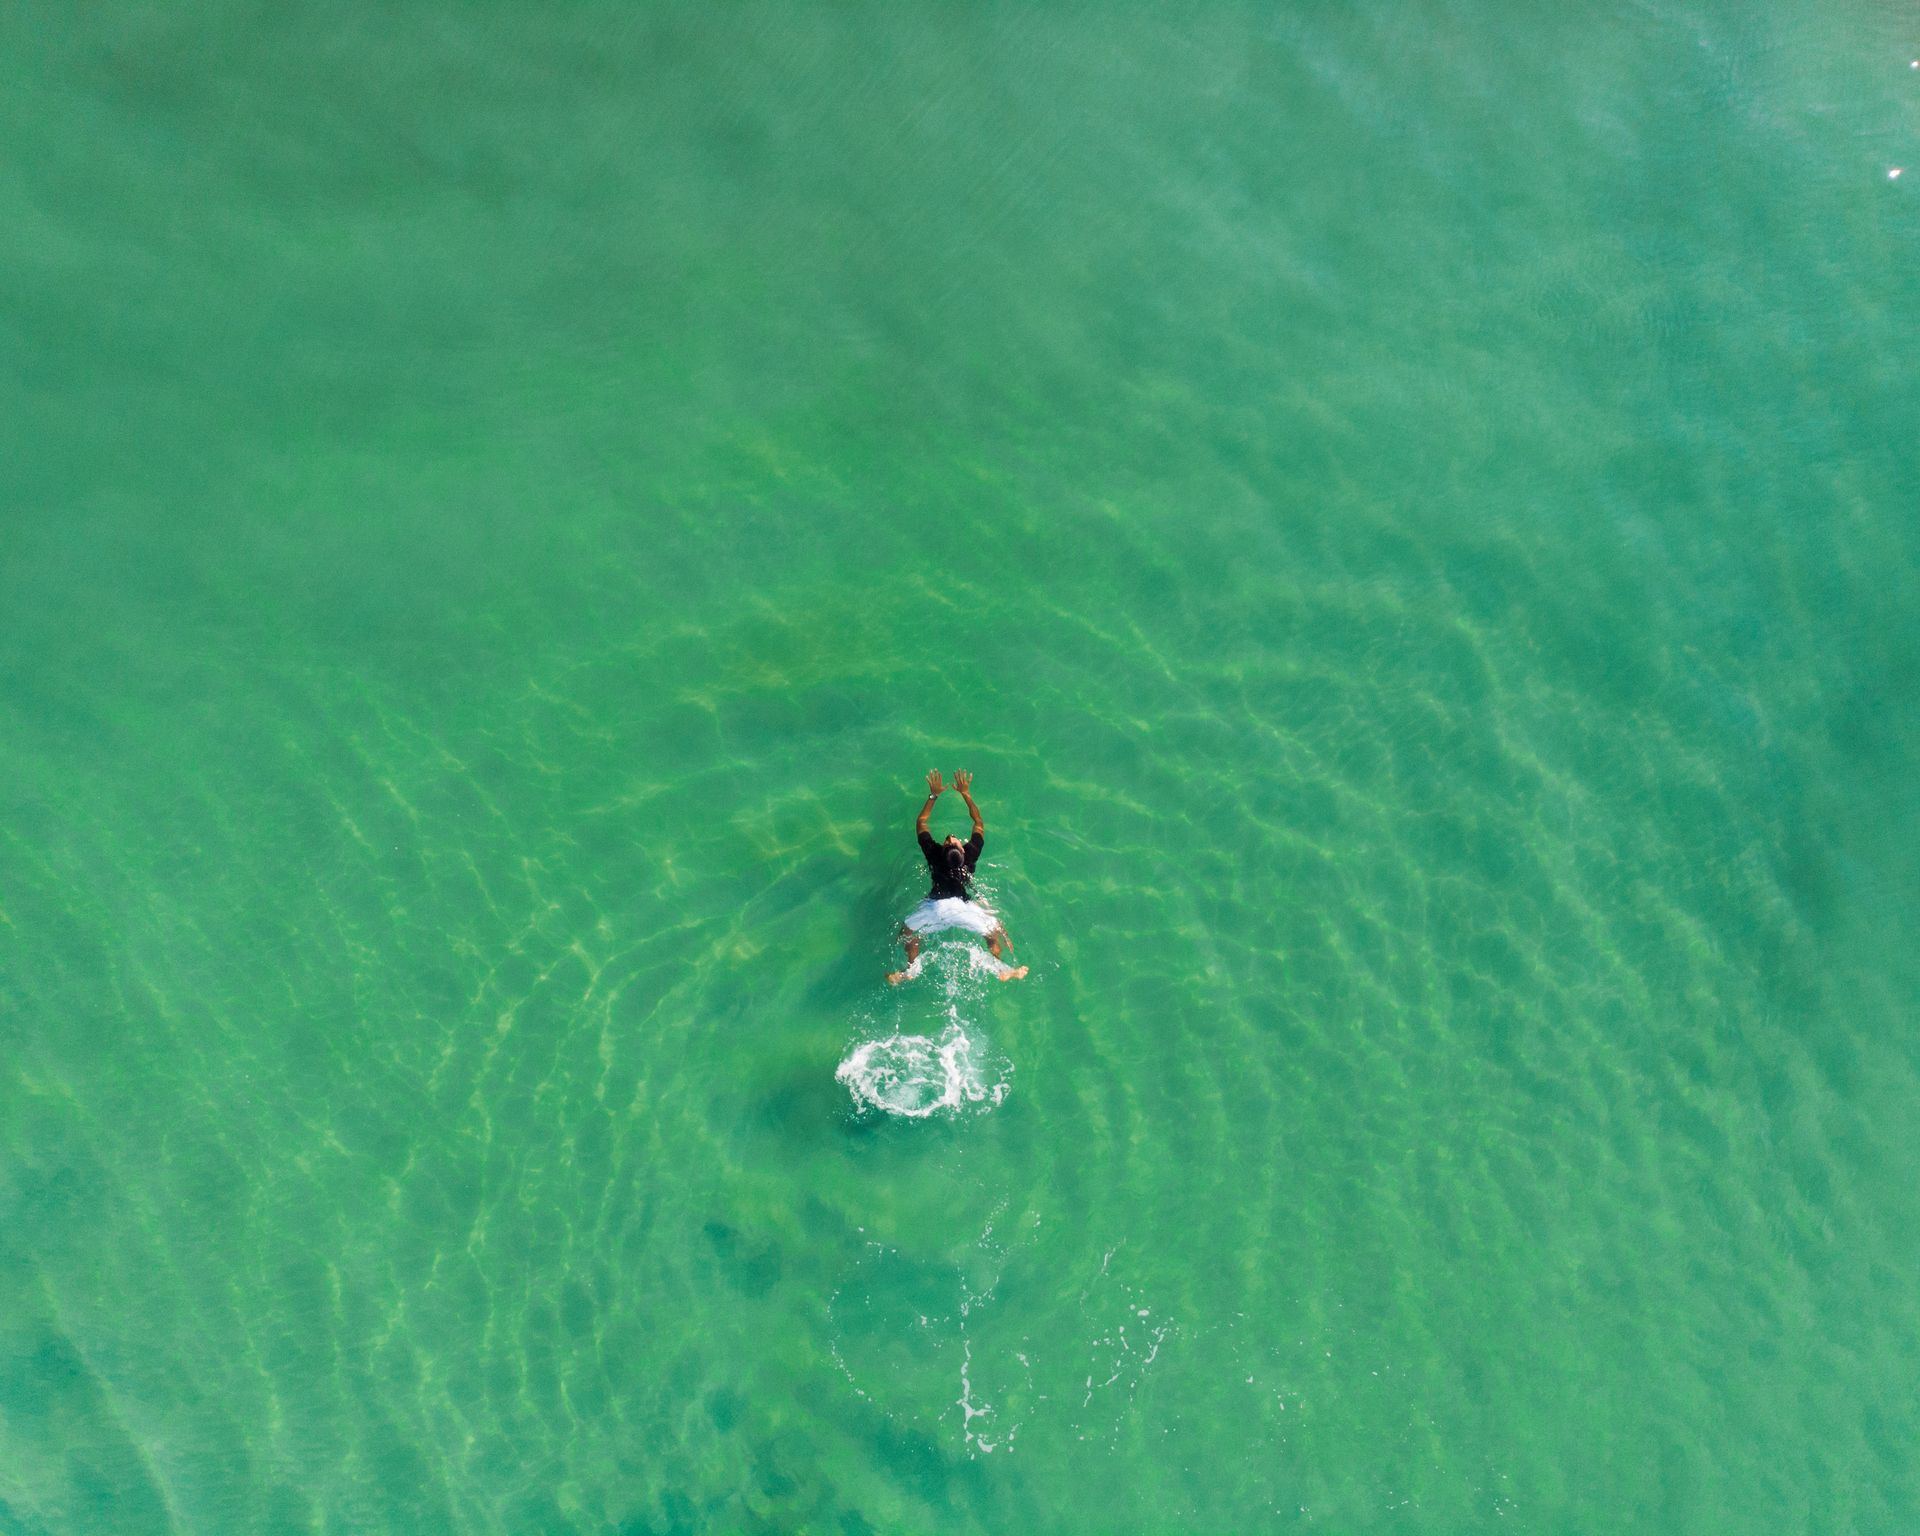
[
  {"x": 934, "y": 786},
  {"x": 963, "y": 781}
]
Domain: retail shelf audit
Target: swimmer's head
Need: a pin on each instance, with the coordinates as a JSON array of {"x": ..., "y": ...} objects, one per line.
[
  {"x": 953, "y": 841},
  {"x": 956, "y": 858}
]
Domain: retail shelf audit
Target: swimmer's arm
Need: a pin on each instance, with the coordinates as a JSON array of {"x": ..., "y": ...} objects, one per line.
[
  {"x": 964, "y": 782},
  {"x": 934, "y": 787}
]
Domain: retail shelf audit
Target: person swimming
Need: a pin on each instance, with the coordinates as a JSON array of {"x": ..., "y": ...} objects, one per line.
[{"x": 950, "y": 903}]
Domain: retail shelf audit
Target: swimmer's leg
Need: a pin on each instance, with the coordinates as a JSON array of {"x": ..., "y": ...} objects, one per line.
[
  {"x": 994, "y": 941},
  {"x": 912, "y": 942}
]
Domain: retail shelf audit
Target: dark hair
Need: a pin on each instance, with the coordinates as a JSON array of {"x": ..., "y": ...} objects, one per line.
[{"x": 957, "y": 862}]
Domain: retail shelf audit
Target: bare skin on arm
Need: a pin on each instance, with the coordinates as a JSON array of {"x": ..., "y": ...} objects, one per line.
[{"x": 907, "y": 936}]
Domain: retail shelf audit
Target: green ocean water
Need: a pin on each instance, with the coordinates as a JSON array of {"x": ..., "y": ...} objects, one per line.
[{"x": 1409, "y": 513}]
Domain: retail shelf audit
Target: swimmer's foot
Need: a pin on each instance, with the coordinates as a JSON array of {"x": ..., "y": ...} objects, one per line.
[
  {"x": 894, "y": 978},
  {"x": 1013, "y": 973}
]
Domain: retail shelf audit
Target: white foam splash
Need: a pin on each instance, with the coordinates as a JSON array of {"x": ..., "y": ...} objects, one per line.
[{"x": 916, "y": 1076}]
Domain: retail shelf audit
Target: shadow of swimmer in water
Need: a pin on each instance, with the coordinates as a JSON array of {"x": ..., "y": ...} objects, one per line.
[{"x": 951, "y": 904}]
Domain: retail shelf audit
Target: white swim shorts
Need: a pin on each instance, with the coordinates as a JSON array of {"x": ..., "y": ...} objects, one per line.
[{"x": 951, "y": 912}]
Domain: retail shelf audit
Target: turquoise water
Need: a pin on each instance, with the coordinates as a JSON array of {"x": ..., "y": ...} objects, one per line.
[{"x": 1409, "y": 516}]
